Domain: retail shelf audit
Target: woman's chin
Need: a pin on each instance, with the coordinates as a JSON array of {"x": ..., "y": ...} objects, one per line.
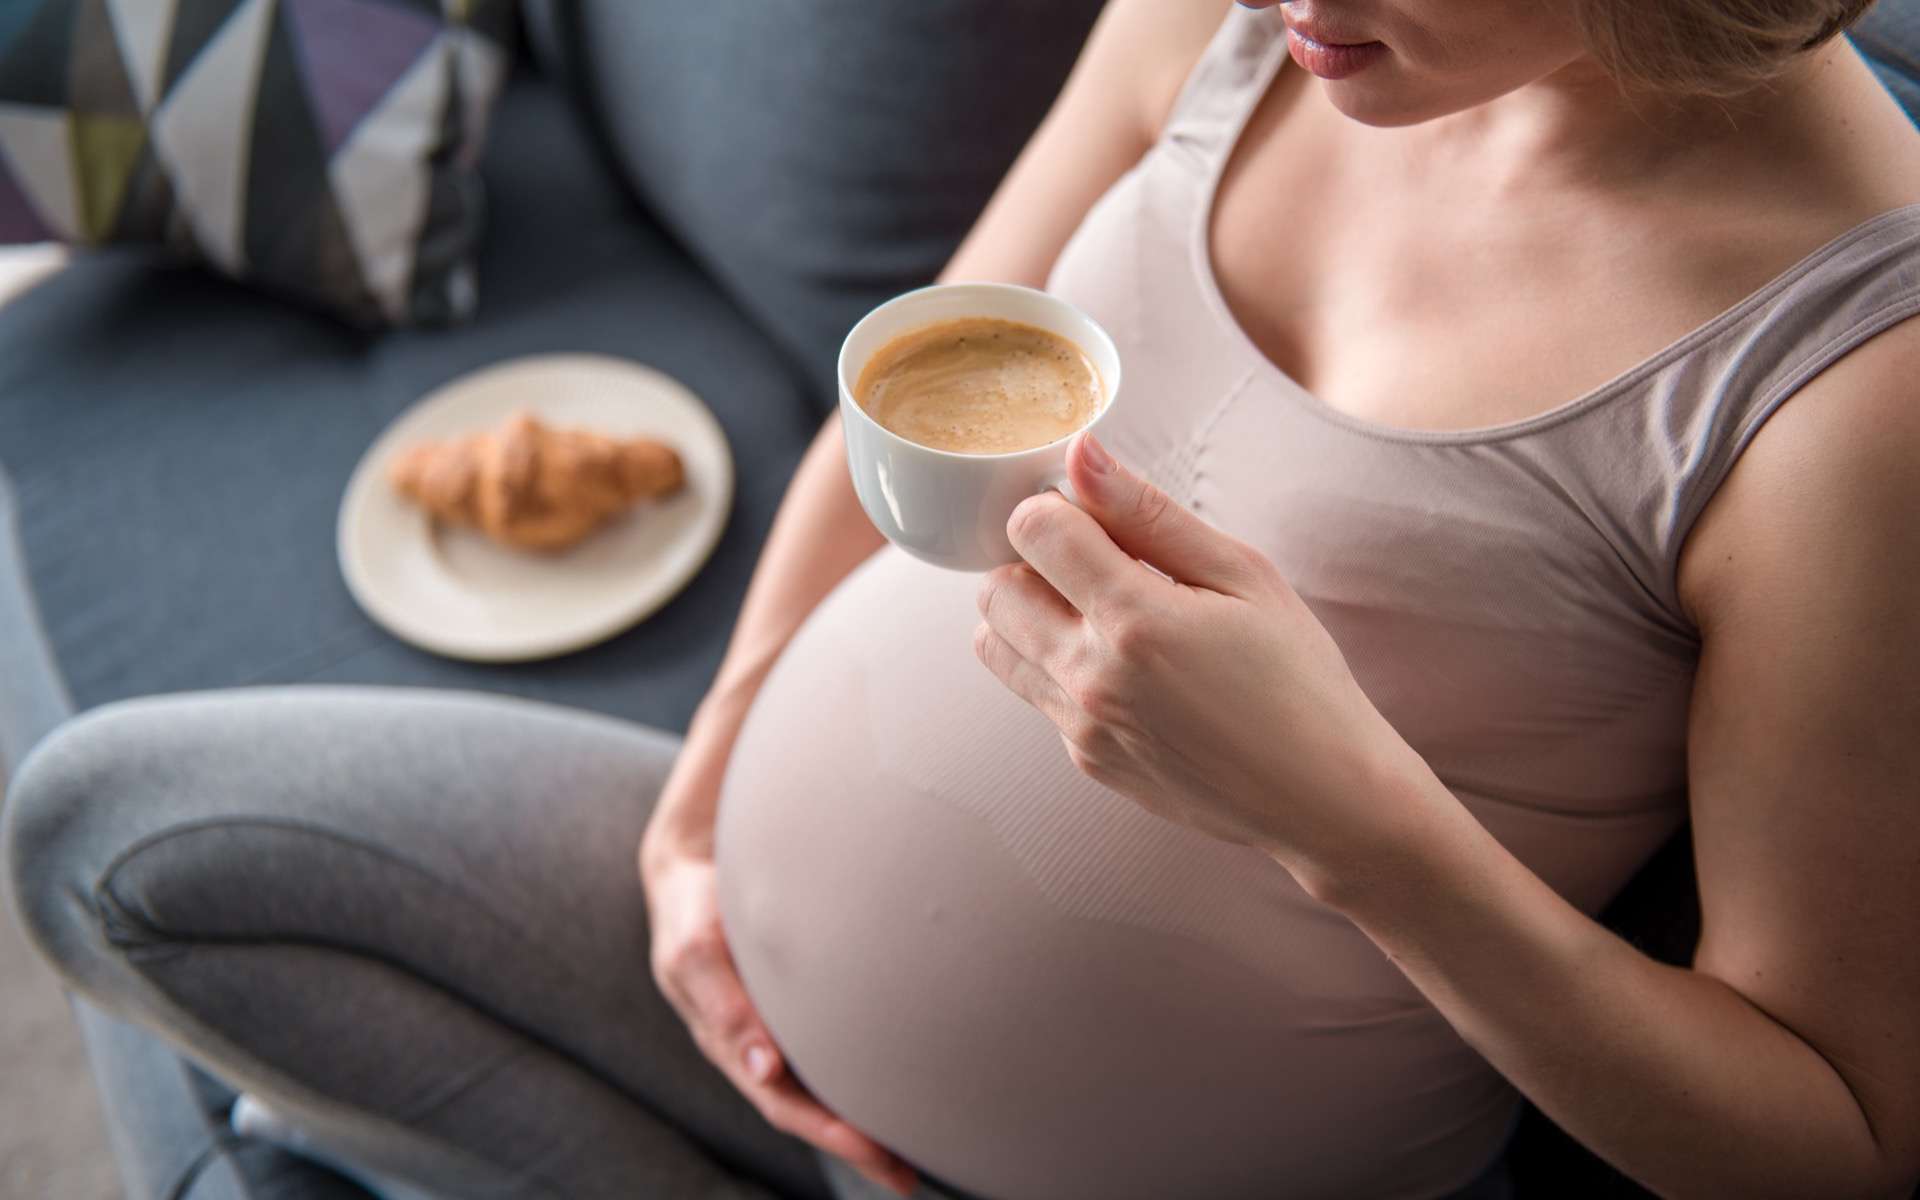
[
  {"x": 1371, "y": 104},
  {"x": 1375, "y": 98}
]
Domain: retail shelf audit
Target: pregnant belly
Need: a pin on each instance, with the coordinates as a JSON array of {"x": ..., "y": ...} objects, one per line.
[{"x": 1032, "y": 988}]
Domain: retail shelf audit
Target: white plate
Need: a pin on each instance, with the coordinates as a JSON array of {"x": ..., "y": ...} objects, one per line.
[{"x": 455, "y": 593}]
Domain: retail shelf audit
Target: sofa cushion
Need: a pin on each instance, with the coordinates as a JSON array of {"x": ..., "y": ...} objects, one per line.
[
  {"x": 821, "y": 156},
  {"x": 1888, "y": 37},
  {"x": 32, "y": 698},
  {"x": 179, "y": 446}
]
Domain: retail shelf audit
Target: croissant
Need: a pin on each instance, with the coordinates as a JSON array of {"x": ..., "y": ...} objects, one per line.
[{"x": 533, "y": 487}]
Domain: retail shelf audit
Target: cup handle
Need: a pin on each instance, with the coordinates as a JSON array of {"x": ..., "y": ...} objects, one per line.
[{"x": 1057, "y": 482}]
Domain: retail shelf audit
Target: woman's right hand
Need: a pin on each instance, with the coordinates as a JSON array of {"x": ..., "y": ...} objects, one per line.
[{"x": 695, "y": 971}]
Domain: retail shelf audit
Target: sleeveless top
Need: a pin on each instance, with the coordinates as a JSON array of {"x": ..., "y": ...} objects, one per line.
[{"x": 1037, "y": 991}]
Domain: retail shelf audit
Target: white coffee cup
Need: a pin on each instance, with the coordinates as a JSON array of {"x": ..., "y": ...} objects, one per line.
[{"x": 942, "y": 506}]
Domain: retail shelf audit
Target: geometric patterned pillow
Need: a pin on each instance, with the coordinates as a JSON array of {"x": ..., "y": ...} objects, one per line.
[{"x": 321, "y": 149}]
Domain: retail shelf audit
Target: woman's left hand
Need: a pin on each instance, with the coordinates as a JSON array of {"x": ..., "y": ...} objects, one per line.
[{"x": 1204, "y": 690}]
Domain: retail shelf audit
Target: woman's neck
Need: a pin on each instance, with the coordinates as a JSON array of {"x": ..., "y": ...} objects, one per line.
[{"x": 1577, "y": 130}]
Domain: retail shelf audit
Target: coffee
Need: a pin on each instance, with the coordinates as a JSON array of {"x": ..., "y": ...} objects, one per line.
[{"x": 980, "y": 386}]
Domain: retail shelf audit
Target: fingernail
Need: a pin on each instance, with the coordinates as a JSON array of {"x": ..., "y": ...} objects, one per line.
[
  {"x": 1096, "y": 454},
  {"x": 759, "y": 1062}
]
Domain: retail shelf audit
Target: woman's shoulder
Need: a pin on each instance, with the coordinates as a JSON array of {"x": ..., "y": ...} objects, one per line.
[
  {"x": 1854, "y": 152},
  {"x": 1149, "y": 47},
  {"x": 1836, "y": 159},
  {"x": 1824, "y": 491}
]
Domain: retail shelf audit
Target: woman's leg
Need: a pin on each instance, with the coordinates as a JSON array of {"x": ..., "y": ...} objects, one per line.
[{"x": 409, "y": 922}]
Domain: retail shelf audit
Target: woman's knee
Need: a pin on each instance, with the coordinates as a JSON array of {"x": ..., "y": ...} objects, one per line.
[
  {"x": 403, "y": 827},
  {"x": 65, "y": 821}
]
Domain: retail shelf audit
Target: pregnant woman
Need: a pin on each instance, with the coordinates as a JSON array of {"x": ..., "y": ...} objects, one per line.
[{"x": 1517, "y": 462}]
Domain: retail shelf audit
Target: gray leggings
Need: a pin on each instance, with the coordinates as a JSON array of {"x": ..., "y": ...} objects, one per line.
[{"x": 409, "y": 922}]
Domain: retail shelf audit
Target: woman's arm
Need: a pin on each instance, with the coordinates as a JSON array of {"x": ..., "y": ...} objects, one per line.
[
  {"x": 1787, "y": 1061},
  {"x": 1107, "y": 115},
  {"x": 1098, "y": 127}
]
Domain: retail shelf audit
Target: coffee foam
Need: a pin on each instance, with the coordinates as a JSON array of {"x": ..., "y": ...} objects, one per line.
[{"x": 980, "y": 385}]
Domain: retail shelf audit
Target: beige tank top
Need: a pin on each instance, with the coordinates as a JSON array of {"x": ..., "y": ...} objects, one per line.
[{"x": 1037, "y": 991}]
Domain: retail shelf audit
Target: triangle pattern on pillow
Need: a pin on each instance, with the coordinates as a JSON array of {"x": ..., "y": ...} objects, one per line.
[
  {"x": 480, "y": 71},
  {"x": 294, "y": 232},
  {"x": 144, "y": 28},
  {"x": 385, "y": 205},
  {"x": 97, "y": 80},
  {"x": 147, "y": 209},
  {"x": 352, "y": 53},
  {"x": 325, "y": 148},
  {"x": 18, "y": 220},
  {"x": 37, "y": 42},
  {"x": 34, "y": 143},
  {"x": 105, "y": 150},
  {"x": 195, "y": 22},
  {"x": 204, "y": 127}
]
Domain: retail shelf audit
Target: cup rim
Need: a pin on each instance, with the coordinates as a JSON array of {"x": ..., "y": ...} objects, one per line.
[{"x": 847, "y": 400}]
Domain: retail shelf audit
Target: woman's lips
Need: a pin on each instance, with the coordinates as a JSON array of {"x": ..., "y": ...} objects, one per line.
[{"x": 1330, "y": 59}]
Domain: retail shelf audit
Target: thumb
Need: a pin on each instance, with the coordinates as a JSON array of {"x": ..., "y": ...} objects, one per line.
[{"x": 1147, "y": 523}]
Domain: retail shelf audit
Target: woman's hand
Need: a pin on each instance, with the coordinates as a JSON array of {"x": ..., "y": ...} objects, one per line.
[
  {"x": 1204, "y": 689},
  {"x": 695, "y": 971}
]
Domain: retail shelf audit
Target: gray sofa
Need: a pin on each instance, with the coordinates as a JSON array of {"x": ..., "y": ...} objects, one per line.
[
  {"x": 717, "y": 188},
  {"x": 714, "y": 187}
]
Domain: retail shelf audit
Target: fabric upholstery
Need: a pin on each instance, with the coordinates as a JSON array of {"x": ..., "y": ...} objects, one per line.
[
  {"x": 1888, "y": 37},
  {"x": 32, "y": 698},
  {"x": 821, "y": 156},
  {"x": 178, "y": 446},
  {"x": 323, "y": 149},
  {"x": 167, "y": 1125}
]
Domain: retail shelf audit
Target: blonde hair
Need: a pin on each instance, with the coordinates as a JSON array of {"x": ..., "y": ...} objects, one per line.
[{"x": 1708, "y": 47}]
